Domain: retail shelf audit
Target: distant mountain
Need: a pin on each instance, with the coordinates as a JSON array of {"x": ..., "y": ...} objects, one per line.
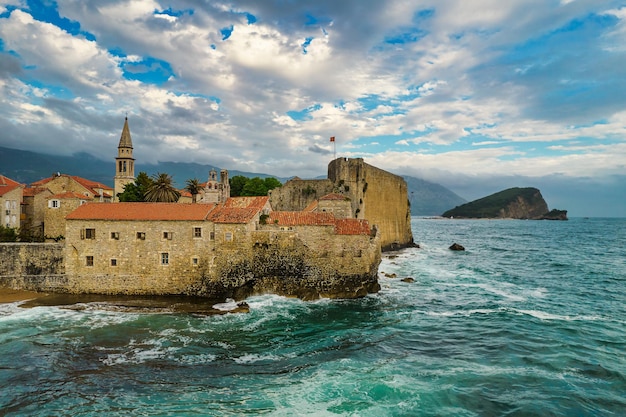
[
  {"x": 27, "y": 167},
  {"x": 428, "y": 198},
  {"x": 512, "y": 203}
]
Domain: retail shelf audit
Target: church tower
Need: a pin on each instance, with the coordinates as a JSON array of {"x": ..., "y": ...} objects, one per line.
[{"x": 124, "y": 162}]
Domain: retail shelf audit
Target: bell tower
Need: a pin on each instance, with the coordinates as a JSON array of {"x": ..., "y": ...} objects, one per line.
[{"x": 124, "y": 162}]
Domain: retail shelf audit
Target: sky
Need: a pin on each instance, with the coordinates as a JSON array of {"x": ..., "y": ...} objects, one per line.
[{"x": 475, "y": 95}]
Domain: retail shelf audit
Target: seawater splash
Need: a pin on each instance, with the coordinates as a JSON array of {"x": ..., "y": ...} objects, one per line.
[{"x": 530, "y": 320}]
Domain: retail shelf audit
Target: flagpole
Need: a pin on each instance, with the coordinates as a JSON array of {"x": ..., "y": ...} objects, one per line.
[{"x": 332, "y": 139}]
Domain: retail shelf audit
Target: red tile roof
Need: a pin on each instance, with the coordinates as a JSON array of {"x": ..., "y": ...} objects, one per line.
[
  {"x": 7, "y": 185},
  {"x": 232, "y": 215},
  {"x": 91, "y": 186},
  {"x": 141, "y": 211},
  {"x": 247, "y": 202},
  {"x": 33, "y": 191},
  {"x": 352, "y": 227},
  {"x": 301, "y": 218},
  {"x": 312, "y": 206}
]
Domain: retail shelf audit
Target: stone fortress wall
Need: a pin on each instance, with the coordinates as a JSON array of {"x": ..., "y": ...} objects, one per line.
[{"x": 376, "y": 195}]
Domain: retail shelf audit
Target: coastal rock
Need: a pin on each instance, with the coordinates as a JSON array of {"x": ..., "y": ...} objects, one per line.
[
  {"x": 456, "y": 246},
  {"x": 513, "y": 203},
  {"x": 408, "y": 279}
]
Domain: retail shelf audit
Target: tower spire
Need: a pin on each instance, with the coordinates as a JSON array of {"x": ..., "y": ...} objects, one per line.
[
  {"x": 125, "y": 139},
  {"x": 124, "y": 162}
]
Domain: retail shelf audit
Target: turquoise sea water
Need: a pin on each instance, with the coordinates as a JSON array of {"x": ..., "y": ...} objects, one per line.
[{"x": 529, "y": 320}]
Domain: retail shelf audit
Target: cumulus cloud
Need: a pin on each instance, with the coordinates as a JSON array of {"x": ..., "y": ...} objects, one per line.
[{"x": 476, "y": 88}]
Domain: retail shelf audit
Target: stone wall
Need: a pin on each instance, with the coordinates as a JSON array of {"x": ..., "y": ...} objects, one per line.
[
  {"x": 165, "y": 258},
  {"x": 226, "y": 260},
  {"x": 378, "y": 196},
  {"x": 296, "y": 194},
  {"x": 54, "y": 217},
  {"x": 32, "y": 266}
]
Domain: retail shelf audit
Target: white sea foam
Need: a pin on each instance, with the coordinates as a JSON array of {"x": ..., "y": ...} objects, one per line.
[
  {"x": 135, "y": 353},
  {"x": 252, "y": 358},
  {"x": 542, "y": 315}
]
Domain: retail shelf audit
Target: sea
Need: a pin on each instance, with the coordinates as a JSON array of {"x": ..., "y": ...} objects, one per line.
[{"x": 528, "y": 320}]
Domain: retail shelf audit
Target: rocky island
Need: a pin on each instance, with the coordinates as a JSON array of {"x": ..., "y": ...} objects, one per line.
[{"x": 513, "y": 203}]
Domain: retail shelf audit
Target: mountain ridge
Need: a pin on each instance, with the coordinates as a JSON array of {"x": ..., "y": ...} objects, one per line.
[{"x": 426, "y": 198}]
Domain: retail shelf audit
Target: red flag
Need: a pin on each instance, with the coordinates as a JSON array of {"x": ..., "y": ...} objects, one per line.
[{"x": 332, "y": 138}]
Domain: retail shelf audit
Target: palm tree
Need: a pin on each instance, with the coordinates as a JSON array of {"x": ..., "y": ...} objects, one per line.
[
  {"x": 193, "y": 186},
  {"x": 162, "y": 190}
]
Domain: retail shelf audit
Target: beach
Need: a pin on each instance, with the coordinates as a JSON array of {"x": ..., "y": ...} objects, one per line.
[{"x": 8, "y": 295}]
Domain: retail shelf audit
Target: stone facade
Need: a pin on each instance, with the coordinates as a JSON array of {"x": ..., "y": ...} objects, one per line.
[
  {"x": 33, "y": 208},
  {"x": 10, "y": 202},
  {"x": 296, "y": 194},
  {"x": 57, "y": 208},
  {"x": 33, "y": 267},
  {"x": 214, "y": 190},
  {"x": 233, "y": 250}
]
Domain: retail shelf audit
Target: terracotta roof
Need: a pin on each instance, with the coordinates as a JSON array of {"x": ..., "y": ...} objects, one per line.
[
  {"x": 141, "y": 211},
  {"x": 301, "y": 218},
  {"x": 7, "y": 185},
  {"x": 70, "y": 194},
  {"x": 334, "y": 197},
  {"x": 91, "y": 186},
  {"x": 232, "y": 215},
  {"x": 312, "y": 206},
  {"x": 352, "y": 227},
  {"x": 33, "y": 191}
]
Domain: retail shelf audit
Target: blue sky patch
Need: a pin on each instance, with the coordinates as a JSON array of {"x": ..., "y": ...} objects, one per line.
[
  {"x": 226, "y": 32},
  {"x": 306, "y": 44},
  {"x": 149, "y": 70},
  {"x": 47, "y": 11},
  {"x": 305, "y": 114}
]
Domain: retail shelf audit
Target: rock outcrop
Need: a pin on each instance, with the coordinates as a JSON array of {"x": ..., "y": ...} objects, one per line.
[{"x": 513, "y": 203}]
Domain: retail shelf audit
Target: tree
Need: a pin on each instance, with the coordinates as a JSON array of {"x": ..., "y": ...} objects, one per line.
[
  {"x": 271, "y": 183},
  {"x": 135, "y": 191},
  {"x": 255, "y": 186},
  {"x": 162, "y": 189},
  {"x": 7, "y": 234},
  {"x": 242, "y": 186},
  {"x": 194, "y": 188},
  {"x": 236, "y": 185}
]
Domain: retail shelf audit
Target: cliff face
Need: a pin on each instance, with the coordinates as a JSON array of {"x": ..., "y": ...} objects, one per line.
[
  {"x": 525, "y": 207},
  {"x": 513, "y": 203}
]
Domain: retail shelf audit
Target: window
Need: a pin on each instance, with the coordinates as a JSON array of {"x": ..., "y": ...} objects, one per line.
[
  {"x": 89, "y": 260},
  {"x": 54, "y": 204},
  {"x": 141, "y": 235},
  {"x": 13, "y": 204},
  {"x": 211, "y": 235},
  {"x": 165, "y": 258},
  {"x": 90, "y": 233},
  {"x": 167, "y": 235},
  {"x": 115, "y": 235},
  {"x": 228, "y": 237},
  {"x": 113, "y": 262},
  {"x": 194, "y": 261},
  {"x": 197, "y": 232}
]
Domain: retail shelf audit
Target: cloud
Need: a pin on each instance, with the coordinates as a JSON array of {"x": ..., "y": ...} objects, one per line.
[{"x": 526, "y": 88}]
